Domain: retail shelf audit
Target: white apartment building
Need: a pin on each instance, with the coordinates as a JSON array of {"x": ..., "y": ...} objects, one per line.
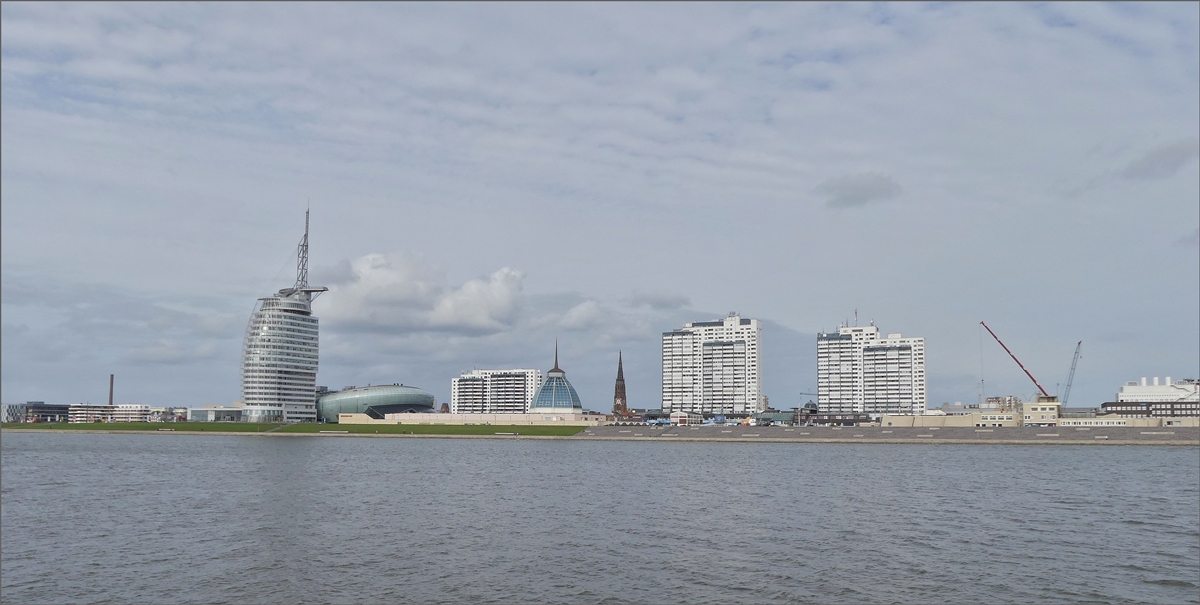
[
  {"x": 1168, "y": 391},
  {"x": 494, "y": 391},
  {"x": 713, "y": 367},
  {"x": 859, "y": 372},
  {"x": 125, "y": 412}
]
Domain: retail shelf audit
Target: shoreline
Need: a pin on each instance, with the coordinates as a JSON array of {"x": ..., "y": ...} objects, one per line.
[{"x": 665, "y": 436}]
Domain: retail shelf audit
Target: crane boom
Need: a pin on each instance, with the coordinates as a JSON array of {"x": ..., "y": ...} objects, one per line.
[
  {"x": 1010, "y": 354},
  {"x": 1071, "y": 376}
]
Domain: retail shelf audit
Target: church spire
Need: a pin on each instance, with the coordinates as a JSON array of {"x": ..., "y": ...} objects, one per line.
[{"x": 620, "y": 408}]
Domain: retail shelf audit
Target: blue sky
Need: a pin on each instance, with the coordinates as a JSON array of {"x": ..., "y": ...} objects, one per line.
[{"x": 487, "y": 178}]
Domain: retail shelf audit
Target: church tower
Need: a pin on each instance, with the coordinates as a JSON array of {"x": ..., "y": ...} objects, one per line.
[{"x": 619, "y": 405}]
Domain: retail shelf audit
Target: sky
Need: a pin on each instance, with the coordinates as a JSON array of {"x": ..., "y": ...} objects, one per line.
[{"x": 487, "y": 179}]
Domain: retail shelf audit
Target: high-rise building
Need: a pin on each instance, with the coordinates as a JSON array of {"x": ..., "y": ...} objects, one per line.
[
  {"x": 280, "y": 352},
  {"x": 713, "y": 367},
  {"x": 620, "y": 404},
  {"x": 860, "y": 372},
  {"x": 494, "y": 391}
]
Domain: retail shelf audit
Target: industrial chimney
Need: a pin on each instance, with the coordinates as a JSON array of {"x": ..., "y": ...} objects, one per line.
[{"x": 110, "y": 388}]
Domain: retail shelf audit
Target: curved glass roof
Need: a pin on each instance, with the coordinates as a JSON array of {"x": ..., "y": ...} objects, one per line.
[
  {"x": 556, "y": 394},
  {"x": 385, "y": 398}
]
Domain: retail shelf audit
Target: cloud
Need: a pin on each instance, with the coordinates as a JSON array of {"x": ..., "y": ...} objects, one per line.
[
  {"x": 1163, "y": 161},
  {"x": 215, "y": 324},
  {"x": 90, "y": 328},
  {"x": 659, "y": 300},
  {"x": 171, "y": 352},
  {"x": 399, "y": 293},
  {"x": 487, "y": 305},
  {"x": 326, "y": 275},
  {"x": 856, "y": 190},
  {"x": 585, "y": 315},
  {"x": 43, "y": 346}
]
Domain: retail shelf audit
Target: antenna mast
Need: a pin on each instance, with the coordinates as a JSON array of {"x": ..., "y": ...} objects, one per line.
[{"x": 302, "y": 258}]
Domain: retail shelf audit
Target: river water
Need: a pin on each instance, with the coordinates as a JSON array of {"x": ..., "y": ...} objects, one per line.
[{"x": 210, "y": 519}]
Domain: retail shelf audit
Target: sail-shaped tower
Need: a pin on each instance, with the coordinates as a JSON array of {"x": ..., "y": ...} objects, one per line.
[{"x": 280, "y": 352}]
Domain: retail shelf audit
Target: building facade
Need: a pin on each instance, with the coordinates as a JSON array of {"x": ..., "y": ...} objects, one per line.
[
  {"x": 242, "y": 413},
  {"x": 1186, "y": 390},
  {"x": 280, "y": 349},
  {"x": 1043, "y": 412},
  {"x": 1151, "y": 409},
  {"x": 713, "y": 367},
  {"x": 37, "y": 411},
  {"x": 494, "y": 391},
  {"x": 859, "y": 372},
  {"x": 95, "y": 412},
  {"x": 1154, "y": 399},
  {"x": 536, "y": 418}
]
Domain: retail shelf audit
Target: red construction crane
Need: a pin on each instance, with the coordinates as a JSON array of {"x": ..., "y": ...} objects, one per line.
[{"x": 1010, "y": 354}]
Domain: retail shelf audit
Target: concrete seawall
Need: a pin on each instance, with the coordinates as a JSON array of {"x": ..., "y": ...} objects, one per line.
[
  {"x": 1186, "y": 436},
  {"x": 1177, "y": 436}
]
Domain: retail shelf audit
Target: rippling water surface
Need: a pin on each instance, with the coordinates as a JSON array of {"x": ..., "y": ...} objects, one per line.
[{"x": 200, "y": 519}]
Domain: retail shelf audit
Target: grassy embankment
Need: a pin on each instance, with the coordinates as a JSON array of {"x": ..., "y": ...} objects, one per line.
[
  {"x": 436, "y": 429},
  {"x": 381, "y": 429},
  {"x": 209, "y": 427}
]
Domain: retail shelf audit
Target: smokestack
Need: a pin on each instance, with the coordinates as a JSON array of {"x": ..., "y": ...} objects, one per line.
[
  {"x": 110, "y": 388},
  {"x": 1143, "y": 381},
  {"x": 1168, "y": 381},
  {"x": 1156, "y": 381}
]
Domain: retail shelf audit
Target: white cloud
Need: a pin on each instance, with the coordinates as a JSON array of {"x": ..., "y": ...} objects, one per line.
[
  {"x": 587, "y": 314},
  {"x": 400, "y": 293},
  {"x": 486, "y": 305}
]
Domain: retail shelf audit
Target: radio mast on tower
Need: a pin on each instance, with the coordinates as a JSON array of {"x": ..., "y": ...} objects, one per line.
[{"x": 302, "y": 257}]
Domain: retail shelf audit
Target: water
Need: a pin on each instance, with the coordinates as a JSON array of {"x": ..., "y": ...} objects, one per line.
[{"x": 209, "y": 519}]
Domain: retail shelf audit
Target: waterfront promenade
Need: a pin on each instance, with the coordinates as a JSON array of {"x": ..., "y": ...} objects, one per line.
[
  {"x": 956, "y": 435},
  {"x": 1180, "y": 436}
]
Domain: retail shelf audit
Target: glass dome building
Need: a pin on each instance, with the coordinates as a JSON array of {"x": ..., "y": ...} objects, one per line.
[
  {"x": 375, "y": 401},
  {"x": 556, "y": 394}
]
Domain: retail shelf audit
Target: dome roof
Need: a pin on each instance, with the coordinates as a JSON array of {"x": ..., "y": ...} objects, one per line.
[
  {"x": 556, "y": 394},
  {"x": 375, "y": 401}
]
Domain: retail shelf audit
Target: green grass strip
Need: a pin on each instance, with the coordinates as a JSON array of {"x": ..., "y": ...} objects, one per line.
[
  {"x": 308, "y": 428},
  {"x": 207, "y": 427},
  {"x": 436, "y": 429}
]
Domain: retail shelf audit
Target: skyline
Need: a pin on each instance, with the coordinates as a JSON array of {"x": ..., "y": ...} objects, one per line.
[{"x": 485, "y": 179}]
